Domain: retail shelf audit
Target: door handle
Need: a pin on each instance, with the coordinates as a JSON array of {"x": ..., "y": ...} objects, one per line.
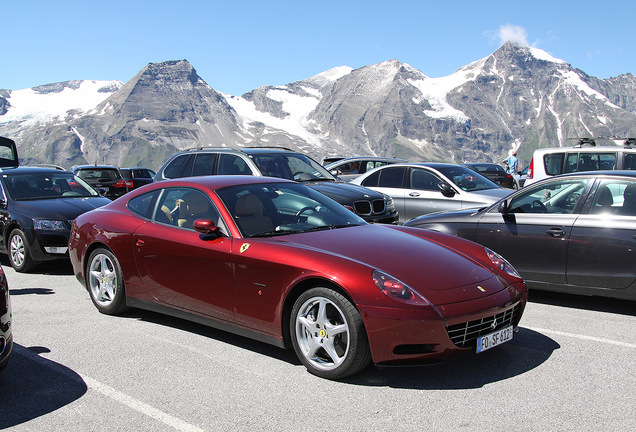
[
  {"x": 555, "y": 232},
  {"x": 414, "y": 194},
  {"x": 139, "y": 242}
]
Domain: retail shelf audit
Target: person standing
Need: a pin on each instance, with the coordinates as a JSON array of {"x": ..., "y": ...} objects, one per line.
[{"x": 513, "y": 163}]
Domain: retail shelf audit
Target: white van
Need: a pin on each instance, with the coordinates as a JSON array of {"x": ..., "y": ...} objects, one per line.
[{"x": 585, "y": 156}]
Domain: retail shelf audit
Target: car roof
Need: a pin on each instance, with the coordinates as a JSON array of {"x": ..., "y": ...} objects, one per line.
[
  {"x": 31, "y": 170},
  {"x": 370, "y": 158},
  {"x": 590, "y": 149},
  {"x": 83, "y": 167},
  {"x": 607, "y": 173},
  {"x": 218, "y": 181}
]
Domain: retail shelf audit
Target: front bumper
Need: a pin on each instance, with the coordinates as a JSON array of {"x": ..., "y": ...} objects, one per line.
[{"x": 411, "y": 336}]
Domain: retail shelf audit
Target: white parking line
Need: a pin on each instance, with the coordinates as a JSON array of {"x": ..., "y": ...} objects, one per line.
[
  {"x": 579, "y": 336},
  {"x": 110, "y": 392}
]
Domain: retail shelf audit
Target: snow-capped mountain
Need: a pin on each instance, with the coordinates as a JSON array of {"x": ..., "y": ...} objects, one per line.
[{"x": 517, "y": 98}]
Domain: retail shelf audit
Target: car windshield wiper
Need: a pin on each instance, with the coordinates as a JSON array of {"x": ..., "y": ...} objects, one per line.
[
  {"x": 275, "y": 233},
  {"x": 329, "y": 227}
]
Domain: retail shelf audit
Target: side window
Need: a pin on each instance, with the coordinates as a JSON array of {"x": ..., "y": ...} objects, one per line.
[
  {"x": 372, "y": 180},
  {"x": 424, "y": 180},
  {"x": 572, "y": 163},
  {"x": 553, "y": 163},
  {"x": 143, "y": 205},
  {"x": 230, "y": 164},
  {"x": 176, "y": 166},
  {"x": 557, "y": 197},
  {"x": 182, "y": 206},
  {"x": 629, "y": 161},
  {"x": 203, "y": 164},
  {"x": 615, "y": 197},
  {"x": 392, "y": 177}
]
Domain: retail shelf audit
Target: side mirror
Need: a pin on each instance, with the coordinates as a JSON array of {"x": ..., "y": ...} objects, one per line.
[
  {"x": 205, "y": 226},
  {"x": 502, "y": 207},
  {"x": 447, "y": 190}
]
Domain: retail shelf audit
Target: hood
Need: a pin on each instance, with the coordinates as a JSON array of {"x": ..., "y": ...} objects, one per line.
[
  {"x": 59, "y": 208},
  {"x": 424, "y": 265},
  {"x": 344, "y": 193}
]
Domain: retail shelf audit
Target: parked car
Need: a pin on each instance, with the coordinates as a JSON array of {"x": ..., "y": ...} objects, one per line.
[
  {"x": 571, "y": 233},
  {"x": 585, "y": 156},
  {"x": 8, "y": 153},
  {"x": 494, "y": 172},
  {"x": 293, "y": 268},
  {"x": 281, "y": 163},
  {"x": 105, "y": 178},
  {"x": 349, "y": 168},
  {"x": 139, "y": 176},
  {"x": 37, "y": 206},
  {"x": 421, "y": 188},
  {"x": 6, "y": 318}
]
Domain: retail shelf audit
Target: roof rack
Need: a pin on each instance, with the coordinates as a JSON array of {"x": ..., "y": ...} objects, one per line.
[
  {"x": 57, "y": 167},
  {"x": 583, "y": 142},
  {"x": 629, "y": 143},
  {"x": 268, "y": 147},
  {"x": 208, "y": 148}
]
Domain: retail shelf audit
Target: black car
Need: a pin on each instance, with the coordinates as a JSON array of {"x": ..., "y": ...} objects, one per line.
[
  {"x": 494, "y": 172},
  {"x": 37, "y": 207},
  {"x": 277, "y": 162},
  {"x": 105, "y": 178},
  {"x": 6, "y": 335},
  {"x": 573, "y": 233},
  {"x": 139, "y": 176}
]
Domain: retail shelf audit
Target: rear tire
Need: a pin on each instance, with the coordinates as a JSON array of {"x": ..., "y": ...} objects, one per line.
[
  {"x": 328, "y": 334},
  {"x": 19, "y": 254},
  {"x": 105, "y": 282}
]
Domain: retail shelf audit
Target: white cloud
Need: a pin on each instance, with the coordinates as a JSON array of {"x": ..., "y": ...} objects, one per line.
[{"x": 513, "y": 33}]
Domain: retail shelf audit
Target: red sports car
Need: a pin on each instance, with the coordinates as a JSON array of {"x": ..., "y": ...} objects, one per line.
[{"x": 277, "y": 261}]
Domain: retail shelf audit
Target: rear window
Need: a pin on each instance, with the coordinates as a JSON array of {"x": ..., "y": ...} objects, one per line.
[
  {"x": 98, "y": 174},
  {"x": 553, "y": 163}
]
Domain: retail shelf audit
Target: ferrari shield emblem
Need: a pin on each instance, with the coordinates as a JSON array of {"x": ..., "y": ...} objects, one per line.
[{"x": 244, "y": 247}]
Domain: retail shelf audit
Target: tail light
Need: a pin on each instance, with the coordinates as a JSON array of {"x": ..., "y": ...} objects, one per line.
[
  {"x": 123, "y": 184},
  {"x": 529, "y": 174}
]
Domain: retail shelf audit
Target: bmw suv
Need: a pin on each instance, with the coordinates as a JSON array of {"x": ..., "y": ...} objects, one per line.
[{"x": 278, "y": 162}]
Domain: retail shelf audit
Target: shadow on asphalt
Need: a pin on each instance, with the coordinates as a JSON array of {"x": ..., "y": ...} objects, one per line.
[
  {"x": 56, "y": 267},
  {"x": 591, "y": 303},
  {"x": 528, "y": 350},
  {"x": 33, "y": 386}
]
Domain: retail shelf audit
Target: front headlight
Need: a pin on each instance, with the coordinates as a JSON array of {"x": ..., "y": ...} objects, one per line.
[
  {"x": 49, "y": 225},
  {"x": 397, "y": 290},
  {"x": 501, "y": 263},
  {"x": 389, "y": 201}
]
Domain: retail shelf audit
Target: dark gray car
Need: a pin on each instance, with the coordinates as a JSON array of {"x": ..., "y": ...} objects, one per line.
[{"x": 573, "y": 233}]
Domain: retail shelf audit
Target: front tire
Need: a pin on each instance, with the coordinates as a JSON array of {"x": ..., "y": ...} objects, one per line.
[
  {"x": 19, "y": 254},
  {"x": 328, "y": 334},
  {"x": 106, "y": 282}
]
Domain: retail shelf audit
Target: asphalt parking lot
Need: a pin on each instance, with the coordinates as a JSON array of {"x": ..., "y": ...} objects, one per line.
[{"x": 569, "y": 368}]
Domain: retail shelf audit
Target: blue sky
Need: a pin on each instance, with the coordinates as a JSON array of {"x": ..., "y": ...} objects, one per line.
[{"x": 239, "y": 45}]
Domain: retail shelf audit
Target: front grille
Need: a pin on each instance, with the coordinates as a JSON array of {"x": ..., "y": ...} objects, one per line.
[
  {"x": 465, "y": 334},
  {"x": 367, "y": 207}
]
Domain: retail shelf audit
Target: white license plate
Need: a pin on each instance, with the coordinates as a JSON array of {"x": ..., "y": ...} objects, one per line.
[{"x": 495, "y": 338}]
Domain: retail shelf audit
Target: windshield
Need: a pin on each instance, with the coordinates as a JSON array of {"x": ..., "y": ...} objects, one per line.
[
  {"x": 467, "y": 179},
  {"x": 35, "y": 186},
  {"x": 291, "y": 166},
  {"x": 270, "y": 209}
]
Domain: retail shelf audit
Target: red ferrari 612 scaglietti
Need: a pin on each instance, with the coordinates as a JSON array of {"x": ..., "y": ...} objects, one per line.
[{"x": 277, "y": 261}]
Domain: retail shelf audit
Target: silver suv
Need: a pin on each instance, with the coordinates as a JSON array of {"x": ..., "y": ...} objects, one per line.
[{"x": 278, "y": 162}]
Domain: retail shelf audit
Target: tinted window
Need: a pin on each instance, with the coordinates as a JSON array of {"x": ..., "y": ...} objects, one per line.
[
  {"x": 392, "y": 177},
  {"x": 372, "y": 180},
  {"x": 424, "y": 180},
  {"x": 553, "y": 163},
  {"x": 203, "y": 164},
  {"x": 174, "y": 169},
  {"x": 230, "y": 164},
  {"x": 629, "y": 163}
]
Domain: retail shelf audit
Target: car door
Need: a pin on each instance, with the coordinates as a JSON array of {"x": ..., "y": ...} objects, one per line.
[
  {"x": 423, "y": 195},
  {"x": 534, "y": 231},
  {"x": 181, "y": 267},
  {"x": 389, "y": 181},
  {"x": 603, "y": 242}
]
